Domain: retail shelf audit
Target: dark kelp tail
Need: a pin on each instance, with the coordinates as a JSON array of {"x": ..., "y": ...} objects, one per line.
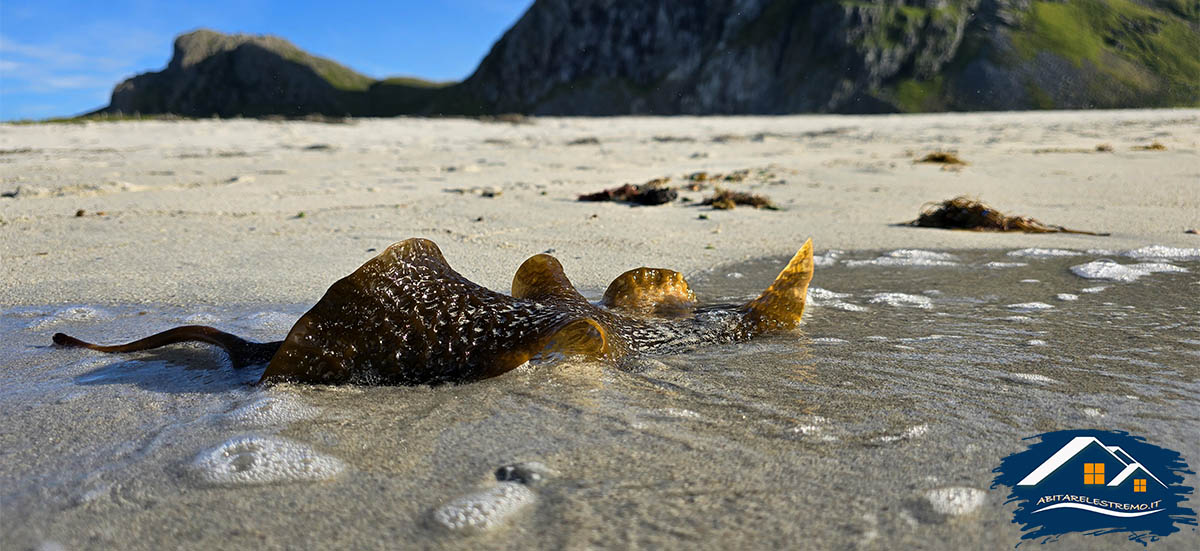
[
  {"x": 241, "y": 352},
  {"x": 782, "y": 304}
]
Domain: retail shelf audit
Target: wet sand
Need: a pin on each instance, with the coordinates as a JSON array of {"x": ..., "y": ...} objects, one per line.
[{"x": 877, "y": 427}]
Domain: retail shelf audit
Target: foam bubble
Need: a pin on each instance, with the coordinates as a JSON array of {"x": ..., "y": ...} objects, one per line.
[
  {"x": 1037, "y": 252},
  {"x": 1096, "y": 289},
  {"x": 271, "y": 320},
  {"x": 902, "y": 299},
  {"x": 1107, "y": 269},
  {"x": 251, "y": 460},
  {"x": 927, "y": 338},
  {"x": 1160, "y": 252},
  {"x": 679, "y": 412},
  {"x": 1005, "y": 264},
  {"x": 202, "y": 318},
  {"x": 1035, "y": 342},
  {"x": 806, "y": 429},
  {"x": 484, "y": 510},
  {"x": 1066, "y": 297},
  {"x": 955, "y": 500},
  {"x": 1029, "y": 306},
  {"x": 829, "y": 299},
  {"x": 271, "y": 411},
  {"x": 827, "y": 259},
  {"x": 817, "y": 293},
  {"x": 1033, "y": 378},
  {"x": 829, "y": 340},
  {"x": 71, "y": 314},
  {"x": 909, "y": 257},
  {"x": 915, "y": 431}
]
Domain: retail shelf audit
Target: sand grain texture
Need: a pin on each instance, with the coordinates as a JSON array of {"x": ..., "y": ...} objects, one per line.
[{"x": 240, "y": 210}]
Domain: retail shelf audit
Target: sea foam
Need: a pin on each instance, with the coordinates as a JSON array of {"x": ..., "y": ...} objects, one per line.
[
  {"x": 1005, "y": 264},
  {"x": 1109, "y": 270},
  {"x": 909, "y": 257},
  {"x": 271, "y": 411},
  {"x": 829, "y": 299},
  {"x": 484, "y": 510},
  {"x": 71, "y": 314},
  {"x": 253, "y": 460},
  {"x": 1037, "y": 252},
  {"x": 902, "y": 299},
  {"x": 1161, "y": 252},
  {"x": 1029, "y": 306},
  {"x": 955, "y": 500}
]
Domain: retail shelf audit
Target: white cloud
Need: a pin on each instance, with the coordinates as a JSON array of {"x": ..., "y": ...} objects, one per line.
[
  {"x": 50, "y": 55},
  {"x": 49, "y": 67},
  {"x": 78, "y": 82}
]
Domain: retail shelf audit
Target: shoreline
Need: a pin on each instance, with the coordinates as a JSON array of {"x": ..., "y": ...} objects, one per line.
[{"x": 209, "y": 212}]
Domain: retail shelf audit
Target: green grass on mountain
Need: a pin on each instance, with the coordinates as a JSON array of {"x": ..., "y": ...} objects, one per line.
[
  {"x": 337, "y": 75},
  {"x": 916, "y": 96},
  {"x": 414, "y": 82},
  {"x": 1124, "y": 40},
  {"x": 98, "y": 117}
]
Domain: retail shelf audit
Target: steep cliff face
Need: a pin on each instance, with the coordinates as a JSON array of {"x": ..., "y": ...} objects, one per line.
[
  {"x": 786, "y": 56},
  {"x": 719, "y": 56},
  {"x": 217, "y": 74}
]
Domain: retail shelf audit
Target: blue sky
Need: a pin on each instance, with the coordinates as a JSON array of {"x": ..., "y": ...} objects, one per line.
[{"x": 64, "y": 58}]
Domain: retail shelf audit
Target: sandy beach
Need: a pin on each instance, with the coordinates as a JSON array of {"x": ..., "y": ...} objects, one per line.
[
  {"x": 209, "y": 211},
  {"x": 925, "y": 358}
]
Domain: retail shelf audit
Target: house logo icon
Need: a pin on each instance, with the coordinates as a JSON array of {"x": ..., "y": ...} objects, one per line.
[
  {"x": 1098, "y": 464},
  {"x": 1097, "y": 482}
]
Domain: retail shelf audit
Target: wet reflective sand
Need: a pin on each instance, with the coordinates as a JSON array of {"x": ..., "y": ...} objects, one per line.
[{"x": 877, "y": 427}]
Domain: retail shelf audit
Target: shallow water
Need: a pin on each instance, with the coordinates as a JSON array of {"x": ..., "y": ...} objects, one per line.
[{"x": 878, "y": 426}]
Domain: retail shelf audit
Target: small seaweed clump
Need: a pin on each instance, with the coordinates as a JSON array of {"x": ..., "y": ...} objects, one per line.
[
  {"x": 654, "y": 192},
  {"x": 1155, "y": 146},
  {"x": 943, "y": 158},
  {"x": 964, "y": 213},
  {"x": 698, "y": 179},
  {"x": 723, "y": 199}
]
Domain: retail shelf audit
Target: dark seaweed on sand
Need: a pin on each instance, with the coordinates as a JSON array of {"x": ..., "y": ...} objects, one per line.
[
  {"x": 941, "y": 157},
  {"x": 964, "y": 213},
  {"x": 1155, "y": 146},
  {"x": 724, "y": 199},
  {"x": 653, "y": 192}
]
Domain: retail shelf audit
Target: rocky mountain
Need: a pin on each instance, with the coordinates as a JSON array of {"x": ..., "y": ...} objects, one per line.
[
  {"x": 787, "y": 56},
  {"x": 610, "y": 57},
  {"x": 212, "y": 73}
]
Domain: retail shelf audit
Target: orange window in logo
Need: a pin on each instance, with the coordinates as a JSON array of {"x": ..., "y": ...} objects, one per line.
[
  {"x": 1093, "y": 473},
  {"x": 1139, "y": 484}
]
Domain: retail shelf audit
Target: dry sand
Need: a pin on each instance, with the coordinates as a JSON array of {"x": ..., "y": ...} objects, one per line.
[{"x": 210, "y": 211}]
